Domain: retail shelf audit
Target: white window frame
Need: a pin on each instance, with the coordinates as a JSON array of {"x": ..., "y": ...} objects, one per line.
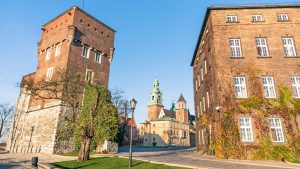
[
  {"x": 262, "y": 47},
  {"x": 48, "y": 54},
  {"x": 87, "y": 79},
  {"x": 49, "y": 74},
  {"x": 99, "y": 57},
  {"x": 196, "y": 85},
  {"x": 205, "y": 67},
  {"x": 204, "y": 106},
  {"x": 87, "y": 53},
  {"x": 240, "y": 87},
  {"x": 235, "y": 47},
  {"x": 296, "y": 86},
  {"x": 289, "y": 47},
  {"x": 202, "y": 75},
  {"x": 199, "y": 80},
  {"x": 269, "y": 87},
  {"x": 200, "y": 106},
  {"x": 246, "y": 129},
  {"x": 57, "y": 49},
  {"x": 257, "y": 18},
  {"x": 283, "y": 17},
  {"x": 275, "y": 123},
  {"x": 207, "y": 97},
  {"x": 231, "y": 18}
]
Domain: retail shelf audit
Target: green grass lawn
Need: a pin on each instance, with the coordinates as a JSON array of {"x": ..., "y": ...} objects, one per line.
[{"x": 110, "y": 163}]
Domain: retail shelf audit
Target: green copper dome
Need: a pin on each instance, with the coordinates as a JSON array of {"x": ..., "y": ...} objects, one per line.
[{"x": 156, "y": 94}]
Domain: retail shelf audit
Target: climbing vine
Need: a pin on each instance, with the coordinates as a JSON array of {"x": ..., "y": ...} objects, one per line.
[{"x": 226, "y": 139}]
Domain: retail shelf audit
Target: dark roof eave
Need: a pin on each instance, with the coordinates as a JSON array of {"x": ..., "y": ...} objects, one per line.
[{"x": 230, "y": 8}]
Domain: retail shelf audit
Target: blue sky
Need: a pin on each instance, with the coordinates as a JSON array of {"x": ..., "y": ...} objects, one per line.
[{"x": 154, "y": 39}]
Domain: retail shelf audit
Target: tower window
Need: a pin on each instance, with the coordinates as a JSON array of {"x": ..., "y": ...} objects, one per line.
[
  {"x": 89, "y": 76},
  {"x": 282, "y": 17},
  {"x": 98, "y": 57},
  {"x": 48, "y": 54},
  {"x": 85, "y": 51},
  {"x": 49, "y": 74},
  {"x": 57, "y": 49}
]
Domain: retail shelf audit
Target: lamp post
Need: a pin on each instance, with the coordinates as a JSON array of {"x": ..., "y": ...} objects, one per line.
[{"x": 132, "y": 106}]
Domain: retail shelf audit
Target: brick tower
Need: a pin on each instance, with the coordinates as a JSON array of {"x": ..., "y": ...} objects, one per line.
[
  {"x": 182, "y": 114},
  {"x": 156, "y": 102},
  {"x": 73, "y": 42}
]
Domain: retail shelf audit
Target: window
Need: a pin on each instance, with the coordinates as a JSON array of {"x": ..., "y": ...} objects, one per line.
[
  {"x": 202, "y": 136},
  {"x": 246, "y": 129},
  {"x": 240, "y": 87},
  {"x": 201, "y": 74},
  {"x": 262, "y": 48},
  {"x": 200, "y": 106},
  {"x": 232, "y": 18},
  {"x": 89, "y": 76},
  {"x": 203, "y": 99},
  {"x": 153, "y": 132},
  {"x": 86, "y": 51},
  {"x": 205, "y": 67},
  {"x": 235, "y": 46},
  {"x": 257, "y": 18},
  {"x": 276, "y": 130},
  {"x": 199, "y": 81},
  {"x": 98, "y": 57},
  {"x": 207, "y": 97},
  {"x": 57, "y": 49},
  {"x": 282, "y": 17},
  {"x": 49, "y": 74},
  {"x": 198, "y": 110},
  {"x": 48, "y": 54},
  {"x": 196, "y": 85},
  {"x": 289, "y": 48},
  {"x": 269, "y": 88},
  {"x": 296, "y": 86}
]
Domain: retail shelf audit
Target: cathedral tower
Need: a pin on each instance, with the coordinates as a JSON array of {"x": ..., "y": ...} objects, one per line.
[
  {"x": 156, "y": 102},
  {"x": 182, "y": 114}
]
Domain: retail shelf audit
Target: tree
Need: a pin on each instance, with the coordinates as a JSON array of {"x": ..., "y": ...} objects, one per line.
[
  {"x": 97, "y": 120},
  {"x": 5, "y": 114}
]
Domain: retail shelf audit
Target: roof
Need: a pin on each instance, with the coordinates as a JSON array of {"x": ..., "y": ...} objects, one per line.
[
  {"x": 169, "y": 113},
  {"x": 231, "y": 8},
  {"x": 77, "y": 8},
  {"x": 130, "y": 122},
  {"x": 166, "y": 119},
  {"x": 181, "y": 98}
]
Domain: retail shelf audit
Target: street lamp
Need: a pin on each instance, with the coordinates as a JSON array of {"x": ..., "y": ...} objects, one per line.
[{"x": 132, "y": 106}]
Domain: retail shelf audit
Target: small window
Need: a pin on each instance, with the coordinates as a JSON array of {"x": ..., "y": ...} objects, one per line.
[
  {"x": 246, "y": 129},
  {"x": 153, "y": 138},
  {"x": 199, "y": 80},
  {"x": 282, "y": 17},
  {"x": 257, "y": 18},
  {"x": 49, "y": 74},
  {"x": 240, "y": 87},
  {"x": 289, "y": 47},
  {"x": 276, "y": 130},
  {"x": 207, "y": 97},
  {"x": 269, "y": 88},
  {"x": 262, "y": 47},
  {"x": 235, "y": 47},
  {"x": 204, "y": 106},
  {"x": 200, "y": 107},
  {"x": 57, "y": 49},
  {"x": 48, "y": 54},
  {"x": 86, "y": 51},
  {"x": 296, "y": 86},
  {"x": 202, "y": 75},
  {"x": 232, "y": 18},
  {"x": 205, "y": 67},
  {"x": 98, "y": 57},
  {"x": 89, "y": 76}
]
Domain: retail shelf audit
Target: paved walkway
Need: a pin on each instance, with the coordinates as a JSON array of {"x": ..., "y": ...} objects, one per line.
[
  {"x": 18, "y": 160},
  {"x": 194, "y": 160}
]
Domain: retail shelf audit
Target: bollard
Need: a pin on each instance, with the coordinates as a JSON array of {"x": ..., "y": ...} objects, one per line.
[{"x": 34, "y": 161}]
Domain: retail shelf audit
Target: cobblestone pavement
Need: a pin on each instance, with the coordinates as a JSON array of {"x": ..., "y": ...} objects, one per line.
[
  {"x": 18, "y": 160},
  {"x": 195, "y": 160}
]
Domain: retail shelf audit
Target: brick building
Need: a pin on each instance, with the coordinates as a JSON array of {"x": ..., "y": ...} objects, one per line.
[
  {"x": 73, "y": 42},
  {"x": 233, "y": 39}
]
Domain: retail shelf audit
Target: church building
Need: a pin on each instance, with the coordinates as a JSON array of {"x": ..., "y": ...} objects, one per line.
[{"x": 166, "y": 126}]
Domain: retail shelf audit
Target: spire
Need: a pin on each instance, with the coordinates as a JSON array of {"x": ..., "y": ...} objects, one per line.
[
  {"x": 156, "y": 94},
  {"x": 172, "y": 106},
  {"x": 181, "y": 98}
]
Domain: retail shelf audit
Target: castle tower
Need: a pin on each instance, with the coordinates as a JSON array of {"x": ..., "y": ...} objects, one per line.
[
  {"x": 74, "y": 42},
  {"x": 156, "y": 102},
  {"x": 182, "y": 113}
]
